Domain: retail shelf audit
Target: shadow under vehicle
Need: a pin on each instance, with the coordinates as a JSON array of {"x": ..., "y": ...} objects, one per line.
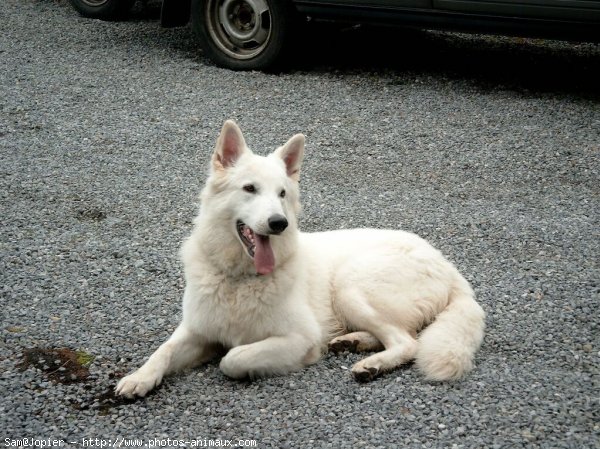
[{"x": 256, "y": 34}]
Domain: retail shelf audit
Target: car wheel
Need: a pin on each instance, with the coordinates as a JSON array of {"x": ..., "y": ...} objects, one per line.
[
  {"x": 103, "y": 9},
  {"x": 243, "y": 34}
]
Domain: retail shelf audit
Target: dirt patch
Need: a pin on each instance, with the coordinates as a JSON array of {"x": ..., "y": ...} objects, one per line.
[
  {"x": 66, "y": 366},
  {"x": 62, "y": 365},
  {"x": 103, "y": 402}
]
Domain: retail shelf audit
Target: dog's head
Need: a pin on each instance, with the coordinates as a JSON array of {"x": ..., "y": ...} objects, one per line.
[{"x": 257, "y": 196}]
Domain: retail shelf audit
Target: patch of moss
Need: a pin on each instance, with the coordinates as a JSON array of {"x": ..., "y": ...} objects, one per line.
[{"x": 84, "y": 359}]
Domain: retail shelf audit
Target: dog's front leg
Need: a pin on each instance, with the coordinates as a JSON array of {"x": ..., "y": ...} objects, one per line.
[
  {"x": 273, "y": 355},
  {"x": 183, "y": 349}
]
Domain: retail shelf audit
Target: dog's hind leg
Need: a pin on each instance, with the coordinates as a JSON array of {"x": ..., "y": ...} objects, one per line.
[
  {"x": 183, "y": 349},
  {"x": 355, "y": 342},
  {"x": 400, "y": 347},
  {"x": 360, "y": 309}
]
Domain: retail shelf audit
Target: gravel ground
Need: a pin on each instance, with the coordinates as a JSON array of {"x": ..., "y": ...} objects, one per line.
[{"x": 488, "y": 147}]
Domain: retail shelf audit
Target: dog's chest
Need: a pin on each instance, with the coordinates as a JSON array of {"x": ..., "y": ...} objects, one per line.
[{"x": 235, "y": 312}]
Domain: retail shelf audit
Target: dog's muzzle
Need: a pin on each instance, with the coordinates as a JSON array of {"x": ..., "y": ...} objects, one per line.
[{"x": 258, "y": 246}]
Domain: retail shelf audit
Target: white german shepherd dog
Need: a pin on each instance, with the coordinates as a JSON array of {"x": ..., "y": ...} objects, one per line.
[{"x": 274, "y": 296}]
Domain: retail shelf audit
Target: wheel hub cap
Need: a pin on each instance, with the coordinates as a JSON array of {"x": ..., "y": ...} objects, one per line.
[{"x": 242, "y": 21}]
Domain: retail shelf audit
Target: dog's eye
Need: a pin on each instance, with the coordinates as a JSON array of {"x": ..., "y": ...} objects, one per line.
[
  {"x": 282, "y": 193},
  {"x": 249, "y": 188}
]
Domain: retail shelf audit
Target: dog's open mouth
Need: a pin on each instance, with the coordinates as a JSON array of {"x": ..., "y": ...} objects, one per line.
[{"x": 258, "y": 248}]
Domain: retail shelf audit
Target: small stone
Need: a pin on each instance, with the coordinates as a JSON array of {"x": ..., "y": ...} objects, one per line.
[{"x": 528, "y": 435}]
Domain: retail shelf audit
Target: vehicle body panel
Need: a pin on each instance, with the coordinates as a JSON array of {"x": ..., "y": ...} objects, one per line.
[
  {"x": 585, "y": 11},
  {"x": 565, "y": 19}
]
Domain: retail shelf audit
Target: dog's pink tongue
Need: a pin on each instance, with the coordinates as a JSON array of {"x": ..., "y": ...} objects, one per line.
[{"x": 264, "y": 260}]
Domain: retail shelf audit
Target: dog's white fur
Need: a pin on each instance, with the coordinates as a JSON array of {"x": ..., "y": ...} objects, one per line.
[{"x": 361, "y": 289}]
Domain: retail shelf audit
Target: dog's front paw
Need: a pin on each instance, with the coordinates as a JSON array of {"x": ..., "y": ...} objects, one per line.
[
  {"x": 234, "y": 364},
  {"x": 364, "y": 373},
  {"x": 137, "y": 384}
]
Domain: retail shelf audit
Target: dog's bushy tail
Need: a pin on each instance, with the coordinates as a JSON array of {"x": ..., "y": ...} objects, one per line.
[{"x": 447, "y": 346}]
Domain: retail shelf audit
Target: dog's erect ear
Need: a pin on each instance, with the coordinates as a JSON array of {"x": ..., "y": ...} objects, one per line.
[
  {"x": 292, "y": 153},
  {"x": 230, "y": 146}
]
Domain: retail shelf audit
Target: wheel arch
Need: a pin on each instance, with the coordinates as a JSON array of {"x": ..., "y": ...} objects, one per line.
[{"x": 175, "y": 13}]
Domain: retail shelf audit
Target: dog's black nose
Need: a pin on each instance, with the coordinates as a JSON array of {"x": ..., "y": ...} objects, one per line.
[{"x": 278, "y": 223}]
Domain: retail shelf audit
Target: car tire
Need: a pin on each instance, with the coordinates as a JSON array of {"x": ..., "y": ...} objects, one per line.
[
  {"x": 244, "y": 34},
  {"x": 103, "y": 9}
]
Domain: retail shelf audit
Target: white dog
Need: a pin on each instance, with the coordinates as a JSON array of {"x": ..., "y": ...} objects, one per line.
[{"x": 274, "y": 296}]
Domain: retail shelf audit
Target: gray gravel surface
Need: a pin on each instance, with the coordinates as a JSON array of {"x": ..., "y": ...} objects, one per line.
[{"x": 488, "y": 147}]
